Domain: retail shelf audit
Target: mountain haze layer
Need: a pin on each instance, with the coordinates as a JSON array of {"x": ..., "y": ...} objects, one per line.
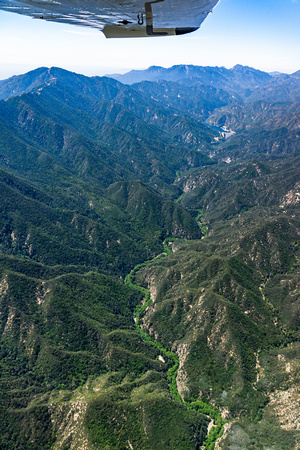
[{"x": 149, "y": 260}]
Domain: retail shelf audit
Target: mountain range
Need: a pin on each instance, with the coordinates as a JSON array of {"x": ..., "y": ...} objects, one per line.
[{"x": 149, "y": 259}]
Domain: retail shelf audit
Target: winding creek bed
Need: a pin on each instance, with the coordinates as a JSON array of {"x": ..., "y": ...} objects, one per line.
[{"x": 215, "y": 427}]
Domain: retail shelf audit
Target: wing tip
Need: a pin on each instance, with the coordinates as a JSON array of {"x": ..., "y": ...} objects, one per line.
[{"x": 180, "y": 31}]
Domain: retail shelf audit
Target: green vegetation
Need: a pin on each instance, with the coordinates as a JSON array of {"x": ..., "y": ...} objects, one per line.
[
  {"x": 201, "y": 223},
  {"x": 87, "y": 170},
  {"x": 199, "y": 405},
  {"x": 148, "y": 421}
]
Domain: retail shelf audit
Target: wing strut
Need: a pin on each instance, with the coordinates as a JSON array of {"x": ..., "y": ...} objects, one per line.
[{"x": 149, "y": 20}]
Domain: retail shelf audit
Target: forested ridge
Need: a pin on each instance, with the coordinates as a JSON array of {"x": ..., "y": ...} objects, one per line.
[{"x": 149, "y": 260}]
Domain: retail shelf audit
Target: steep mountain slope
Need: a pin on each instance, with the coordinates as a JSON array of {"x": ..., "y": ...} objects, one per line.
[
  {"x": 226, "y": 191},
  {"x": 21, "y": 84},
  {"x": 63, "y": 323},
  {"x": 102, "y": 130},
  {"x": 197, "y": 100},
  {"x": 66, "y": 317},
  {"x": 100, "y": 179},
  {"x": 229, "y": 305},
  {"x": 96, "y": 235},
  {"x": 39, "y": 78},
  {"x": 264, "y": 110},
  {"x": 283, "y": 88},
  {"x": 265, "y": 128},
  {"x": 60, "y": 330}
]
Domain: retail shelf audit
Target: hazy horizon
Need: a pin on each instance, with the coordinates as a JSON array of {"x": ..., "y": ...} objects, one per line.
[{"x": 121, "y": 72}]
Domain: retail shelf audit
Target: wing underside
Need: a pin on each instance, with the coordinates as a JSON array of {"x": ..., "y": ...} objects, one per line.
[{"x": 124, "y": 18}]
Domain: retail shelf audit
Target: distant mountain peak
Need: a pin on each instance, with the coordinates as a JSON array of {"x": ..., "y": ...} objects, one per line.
[
  {"x": 296, "y": 74},
  {"x": 20, "y": 84},
  {"x": 244, "y": 69},
  {"x": 245, "y": 77},
  {"x": 155, "y": 68}
]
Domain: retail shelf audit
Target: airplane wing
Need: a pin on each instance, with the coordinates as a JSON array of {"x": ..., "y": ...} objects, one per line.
[{"x": 122, "y": 18}]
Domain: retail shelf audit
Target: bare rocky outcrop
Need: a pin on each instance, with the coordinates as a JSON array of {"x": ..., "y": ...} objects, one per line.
[
  {"x": 292, "y": 197},
  {"x": 68, "y": 422},
  {"x": 182, "y": 379}
]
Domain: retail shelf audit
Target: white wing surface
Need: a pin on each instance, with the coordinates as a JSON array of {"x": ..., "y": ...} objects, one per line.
[{"x": 123, "y": 18}]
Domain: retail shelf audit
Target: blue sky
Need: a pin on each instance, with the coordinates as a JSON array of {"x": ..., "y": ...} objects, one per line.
[{"x": 264, "y": 34}]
